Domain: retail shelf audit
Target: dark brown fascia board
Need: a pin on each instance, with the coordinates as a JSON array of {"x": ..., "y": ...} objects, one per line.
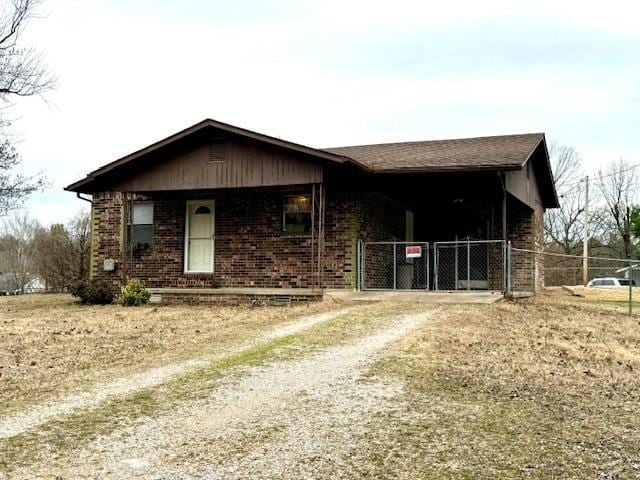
[
  {"x": 555, "y": 203},
  {"x": 556, "y": 200},
  {"x": 76, "y": 186},
  {"x": 210, "y": 123}
]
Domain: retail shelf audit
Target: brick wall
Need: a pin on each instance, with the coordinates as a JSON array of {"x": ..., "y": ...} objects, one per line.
[
  {"x": 525, "y": 231},
  {"x": 107, "y": 235},
  {"x": 381, "y": 219},
  {"x": 250, "y": 249},
  {"x": 353, "y": 216}
]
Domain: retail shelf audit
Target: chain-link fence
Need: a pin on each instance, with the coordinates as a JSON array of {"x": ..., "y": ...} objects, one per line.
[
  {"x": 394, "y": 265},
  {"x": 469, "y": 265},
  {"x": 608, "y": 280},
  {"x": 494, "y": 265}
]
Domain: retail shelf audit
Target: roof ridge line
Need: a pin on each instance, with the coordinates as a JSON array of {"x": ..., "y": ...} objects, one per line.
[{"x": 433, "y": 140}]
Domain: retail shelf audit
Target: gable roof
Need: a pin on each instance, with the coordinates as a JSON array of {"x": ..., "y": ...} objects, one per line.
[
  {"x": 494, "y": 153},
  {"x": 503, "y": 152},
  {"x": 199, "y": 128}
]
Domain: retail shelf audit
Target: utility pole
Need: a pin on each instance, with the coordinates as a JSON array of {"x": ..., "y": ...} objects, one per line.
[{"x": 585, "y": 240}]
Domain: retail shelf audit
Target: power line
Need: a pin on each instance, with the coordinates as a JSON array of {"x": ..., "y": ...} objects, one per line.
[{"x": 631, "y": 167}]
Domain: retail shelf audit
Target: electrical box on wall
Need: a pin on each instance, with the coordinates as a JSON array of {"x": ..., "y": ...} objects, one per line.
[{"x": 109, "y": 265}]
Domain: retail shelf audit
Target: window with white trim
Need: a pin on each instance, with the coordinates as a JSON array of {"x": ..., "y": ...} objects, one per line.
[{"x": 199, "y": 236}]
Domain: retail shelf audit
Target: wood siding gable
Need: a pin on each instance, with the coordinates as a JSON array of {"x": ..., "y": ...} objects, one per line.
[{"x": 223, "y": 163}]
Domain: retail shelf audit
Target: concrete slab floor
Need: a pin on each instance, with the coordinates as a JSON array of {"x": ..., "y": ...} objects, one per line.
[{"x": 415, "y": 296}]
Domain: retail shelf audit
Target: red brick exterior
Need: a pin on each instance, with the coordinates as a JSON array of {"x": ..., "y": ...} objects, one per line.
[
  {"x": 525, "y": 230},
  {"x": 250, "y": 249}
]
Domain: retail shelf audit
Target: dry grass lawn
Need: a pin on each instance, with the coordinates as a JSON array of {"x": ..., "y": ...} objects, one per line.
[
  {"x": 543, "y": 388},
  {"x": 549, "y": 388},
  {"x": 51, "y": 345}
]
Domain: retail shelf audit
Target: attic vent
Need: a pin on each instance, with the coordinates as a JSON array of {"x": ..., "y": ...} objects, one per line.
[{"x": 217, "y": 150}]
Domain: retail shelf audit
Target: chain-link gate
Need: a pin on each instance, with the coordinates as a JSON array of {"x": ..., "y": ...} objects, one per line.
[
  {"x": 394, "y": 266},
  {"x": 470, "y": 265}
]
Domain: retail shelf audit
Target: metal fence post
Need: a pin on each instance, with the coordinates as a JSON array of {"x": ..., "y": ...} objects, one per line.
[
  {"x": 630, "y": 288},
  {"x": 468, "y": 264},
  {"x": 395, "y": 265},
  {"x": 435, "y": 266},
  {"x": 457, "y": 274},
  {"x": 509, "y": 267},
  {"x": 426, "y": 261},
  {"x": 504, "y": 266}
]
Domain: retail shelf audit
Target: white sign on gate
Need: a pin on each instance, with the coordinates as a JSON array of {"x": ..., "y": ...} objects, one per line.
[{"x": 413, "y": 251}]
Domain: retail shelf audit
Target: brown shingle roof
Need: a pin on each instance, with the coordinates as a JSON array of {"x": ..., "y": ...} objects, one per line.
[{"x": 499, "y": 152}]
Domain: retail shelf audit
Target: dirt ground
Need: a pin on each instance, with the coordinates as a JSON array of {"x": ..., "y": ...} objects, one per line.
[{"x": 542, "y": 388}]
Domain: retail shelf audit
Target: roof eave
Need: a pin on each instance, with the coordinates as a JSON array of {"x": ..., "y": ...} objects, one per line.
[
  {"x": 76, "y": 186},
  {"x": 555, "y": 201},
  {"x": 209, "y": 123}
]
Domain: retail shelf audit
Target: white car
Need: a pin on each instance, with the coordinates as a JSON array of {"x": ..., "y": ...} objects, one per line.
[{"x": 610, "y": 282}]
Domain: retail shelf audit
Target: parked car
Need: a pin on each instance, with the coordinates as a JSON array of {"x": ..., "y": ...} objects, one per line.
[{"x": 610, "y": 282}]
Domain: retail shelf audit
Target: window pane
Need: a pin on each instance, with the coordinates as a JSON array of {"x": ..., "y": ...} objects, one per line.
[
  {"x": 608, "y": 283},
  {"x": 297, "y": 222},
  {"x": 142, "y": 213},
  {"x": 141, "y": 235},
  {"x": 202, "y": 210},
  {"x": 297, "y": 203}
]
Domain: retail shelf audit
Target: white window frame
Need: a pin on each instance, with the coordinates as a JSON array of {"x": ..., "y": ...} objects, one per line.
[
  {"x": 211, "y": 204},
  {"x": 131, "y": 222}
]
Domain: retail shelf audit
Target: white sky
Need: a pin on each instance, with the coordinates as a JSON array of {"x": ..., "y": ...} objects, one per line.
[{"x": 327, "y": 73}]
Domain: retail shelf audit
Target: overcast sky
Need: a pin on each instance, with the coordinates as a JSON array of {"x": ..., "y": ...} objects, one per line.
[{"x": 327, "y": 73}]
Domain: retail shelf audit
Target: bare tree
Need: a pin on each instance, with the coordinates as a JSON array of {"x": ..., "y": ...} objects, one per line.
[
  {"x": 617, "y": 185},
  {"x": 80, "y": 234},
  {"x": 22, "y": 74},
  {"x": 14, "y": 187},
  {"x": 17, "y": 249},
  {"x": 564, "y": 226},
  {"x": 567, "y": 165},
  {"x": 53, "y": 255},
  {"x": 22, "y": 69},
  {"x": 61, "y": 253}
]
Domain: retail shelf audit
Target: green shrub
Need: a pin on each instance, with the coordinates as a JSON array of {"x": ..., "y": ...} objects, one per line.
[
  {"x": 92, "y": 293},
  {"x": 133, "y": 293}
]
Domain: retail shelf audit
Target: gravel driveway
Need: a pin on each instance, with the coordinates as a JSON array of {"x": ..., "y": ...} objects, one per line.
[
  {"x": 292, "y": 418},
  {"x": 33, "y": 417}
]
